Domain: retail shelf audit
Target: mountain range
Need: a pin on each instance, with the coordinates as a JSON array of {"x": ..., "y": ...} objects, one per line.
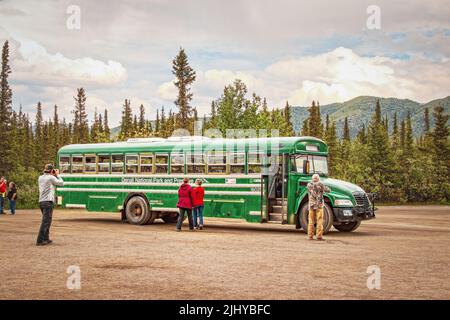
[{"x": 360, "y": 110}]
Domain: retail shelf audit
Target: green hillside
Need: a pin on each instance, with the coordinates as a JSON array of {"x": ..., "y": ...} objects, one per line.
[{"x": 360, "y": 110}]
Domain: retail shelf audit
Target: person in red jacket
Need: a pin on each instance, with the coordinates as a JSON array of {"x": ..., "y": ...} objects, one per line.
[
  {"x": 197, "y": 197},
  {"x": 2, "y": 193},
  {"x": 185, "y": 204}
]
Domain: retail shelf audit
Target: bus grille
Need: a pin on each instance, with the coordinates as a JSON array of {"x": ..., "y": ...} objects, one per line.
[{"x": 361, "y": 199}]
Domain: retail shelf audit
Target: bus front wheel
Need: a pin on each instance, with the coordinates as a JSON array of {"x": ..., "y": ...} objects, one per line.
[
  {"x": 348, "y": 227},
  {"x": 327, "y": 217},
  {"x": 138, "y": 211}
]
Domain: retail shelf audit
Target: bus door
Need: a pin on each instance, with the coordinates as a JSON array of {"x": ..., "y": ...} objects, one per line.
[{"x": 274, "y": 191}]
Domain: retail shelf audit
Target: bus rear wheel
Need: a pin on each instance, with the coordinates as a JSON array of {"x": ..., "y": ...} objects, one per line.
[
  {"x": 327, "y": 217},
  {"x": 138, "y": 211},
  {"x": 348, "y": 227}
]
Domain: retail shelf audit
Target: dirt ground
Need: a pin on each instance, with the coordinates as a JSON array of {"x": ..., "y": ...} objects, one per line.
[{"x": 228, "y": 260}]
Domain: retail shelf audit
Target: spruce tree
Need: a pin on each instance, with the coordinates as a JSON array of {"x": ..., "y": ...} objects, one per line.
[
  {"x": 126, "y": 125},
  {"x": 346, "y": 132},
  {"x": 6, "y": 159},
  {"x": 184, "y": 77},
  {"x": 80, "y": 122},
  {"x": 288, "y": 129},
  {"x": 106, "y": 125}
]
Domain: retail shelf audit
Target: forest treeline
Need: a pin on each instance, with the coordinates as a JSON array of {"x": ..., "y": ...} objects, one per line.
[{"x": 384, "y": 157}]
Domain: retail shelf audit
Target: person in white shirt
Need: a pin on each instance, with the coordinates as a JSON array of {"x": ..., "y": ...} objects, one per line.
[{"x": 47, "y": 182}]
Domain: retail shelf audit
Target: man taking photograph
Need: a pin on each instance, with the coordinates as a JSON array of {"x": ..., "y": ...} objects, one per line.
[{"x": 47, "y": 182}]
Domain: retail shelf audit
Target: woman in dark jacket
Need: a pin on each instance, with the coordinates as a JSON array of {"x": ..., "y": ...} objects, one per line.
[
  {"x": 185, "y": 204},
  {"x": 12, "y": 196}
]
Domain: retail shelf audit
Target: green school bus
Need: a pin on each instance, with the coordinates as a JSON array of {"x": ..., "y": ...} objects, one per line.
[{"x": 256, "y": 179}]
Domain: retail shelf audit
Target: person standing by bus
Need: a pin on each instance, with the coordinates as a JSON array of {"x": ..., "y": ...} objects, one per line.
[
  {"x": 315, "y": 197},
  {"x": 12, "y": 197},
  {"x": 47, "y": 182},
  {"x": 2, "y": 193},
  {"x": 197, "y": 196},
  {"x": 185, "y": 204}
]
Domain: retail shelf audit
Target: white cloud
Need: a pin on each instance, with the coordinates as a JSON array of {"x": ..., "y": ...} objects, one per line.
[{"x": 33, "y": 64}]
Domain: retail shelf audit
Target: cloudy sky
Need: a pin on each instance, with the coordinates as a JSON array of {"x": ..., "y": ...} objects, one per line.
[{"x": 284, "y": 50}]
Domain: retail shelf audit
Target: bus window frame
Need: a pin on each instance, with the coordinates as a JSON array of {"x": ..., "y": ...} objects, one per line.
[
  {"x": 163, "y": 165},
  {"x": 109, "y": 163},
  {"x": 89, "y": 155},
  {"x": 171, "y": 156},
  {"x": 112, "y": 163},
  {"x": 261, "y": 163},
  {"x": 152, "y": 165},
  {"x": 230, "y": 156},
  {"x": 72, "y": 162},
  {"x": 195, "y": 164},
  {"x": 208, "y": 164},
  {"x": 132, "y": 165},
  {"x": 69, "y": 163}
]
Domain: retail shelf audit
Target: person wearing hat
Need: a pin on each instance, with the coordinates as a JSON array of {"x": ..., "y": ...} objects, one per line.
[{"x": 47, "y": 182}]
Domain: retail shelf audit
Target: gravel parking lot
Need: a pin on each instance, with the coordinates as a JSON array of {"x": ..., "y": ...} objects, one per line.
[{"x": 229, "y": 259}]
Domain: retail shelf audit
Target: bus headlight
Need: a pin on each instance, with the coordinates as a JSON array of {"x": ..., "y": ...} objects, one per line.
[{"x": 343, "y": 203}]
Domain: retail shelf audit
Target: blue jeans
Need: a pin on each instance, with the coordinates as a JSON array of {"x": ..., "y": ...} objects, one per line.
[
  {"x": 198, "y": 216},
  {"x": 12, "y": 206},
  {"x": 2, "y": 203}
]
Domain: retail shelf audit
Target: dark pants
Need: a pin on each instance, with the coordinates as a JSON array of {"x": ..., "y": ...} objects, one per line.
[
  {"x": 47, "y": 212},
  {"x": 2, "y": 203},
  {"x": 181, "y": 218}
]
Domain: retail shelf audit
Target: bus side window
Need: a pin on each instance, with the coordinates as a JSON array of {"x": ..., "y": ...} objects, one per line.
[
  {"x": 104, "y": 161},
  {"x": 146, "y": 163},
  {"x": 177, "y": 163},
  {"x": 254, "y": 162},
  {"x": 217, "y": 163},
  {"x": 117, "y": 163},
  {"x": 196, "y": 163},
  {"x": 64, "y": 164},
  {"x": 132, "y": 164},
  {"x": 77, "y": 164},
  {"x": 161, "y": 163},
  {"x": 90, "y": 164},
  {"x": 237, "y": 163}
]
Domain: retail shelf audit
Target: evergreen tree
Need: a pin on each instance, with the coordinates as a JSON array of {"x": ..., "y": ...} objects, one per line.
[
  {"x": 142, "y": 122},
  {"x": 80, "y": 122},
  {"x": 346, "y": 132},
  {"x": 6, "y": 158},
  {"x": 157, "y": 124},
  {"x": 287, "y": 129},
  {"x": 184, "y": 77},
  {"x": 126, "y": 125},
  {"x": 315, "y": 126},
  {"x": 106, "y": 129},
  {"x": 361, "y": 136}
]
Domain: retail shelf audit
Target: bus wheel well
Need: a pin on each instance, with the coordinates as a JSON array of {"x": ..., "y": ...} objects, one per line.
[{"x": 135, "y": 194}]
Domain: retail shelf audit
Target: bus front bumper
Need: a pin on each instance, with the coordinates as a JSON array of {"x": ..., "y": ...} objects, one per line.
[{"x": 357, "y": 213}]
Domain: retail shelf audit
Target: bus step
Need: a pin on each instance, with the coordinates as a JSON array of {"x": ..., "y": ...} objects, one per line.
[
  {"x": 278, "y": 209},
  {"x": 275, "y": 217},
  {"x": 279, "y": 201}
]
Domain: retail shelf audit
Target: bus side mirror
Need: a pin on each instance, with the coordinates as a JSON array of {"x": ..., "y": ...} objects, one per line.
[{"x": 305, "y": 166}]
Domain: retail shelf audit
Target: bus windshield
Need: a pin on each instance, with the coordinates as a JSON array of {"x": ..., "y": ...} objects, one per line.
[{"x": 317, "y": 164}]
